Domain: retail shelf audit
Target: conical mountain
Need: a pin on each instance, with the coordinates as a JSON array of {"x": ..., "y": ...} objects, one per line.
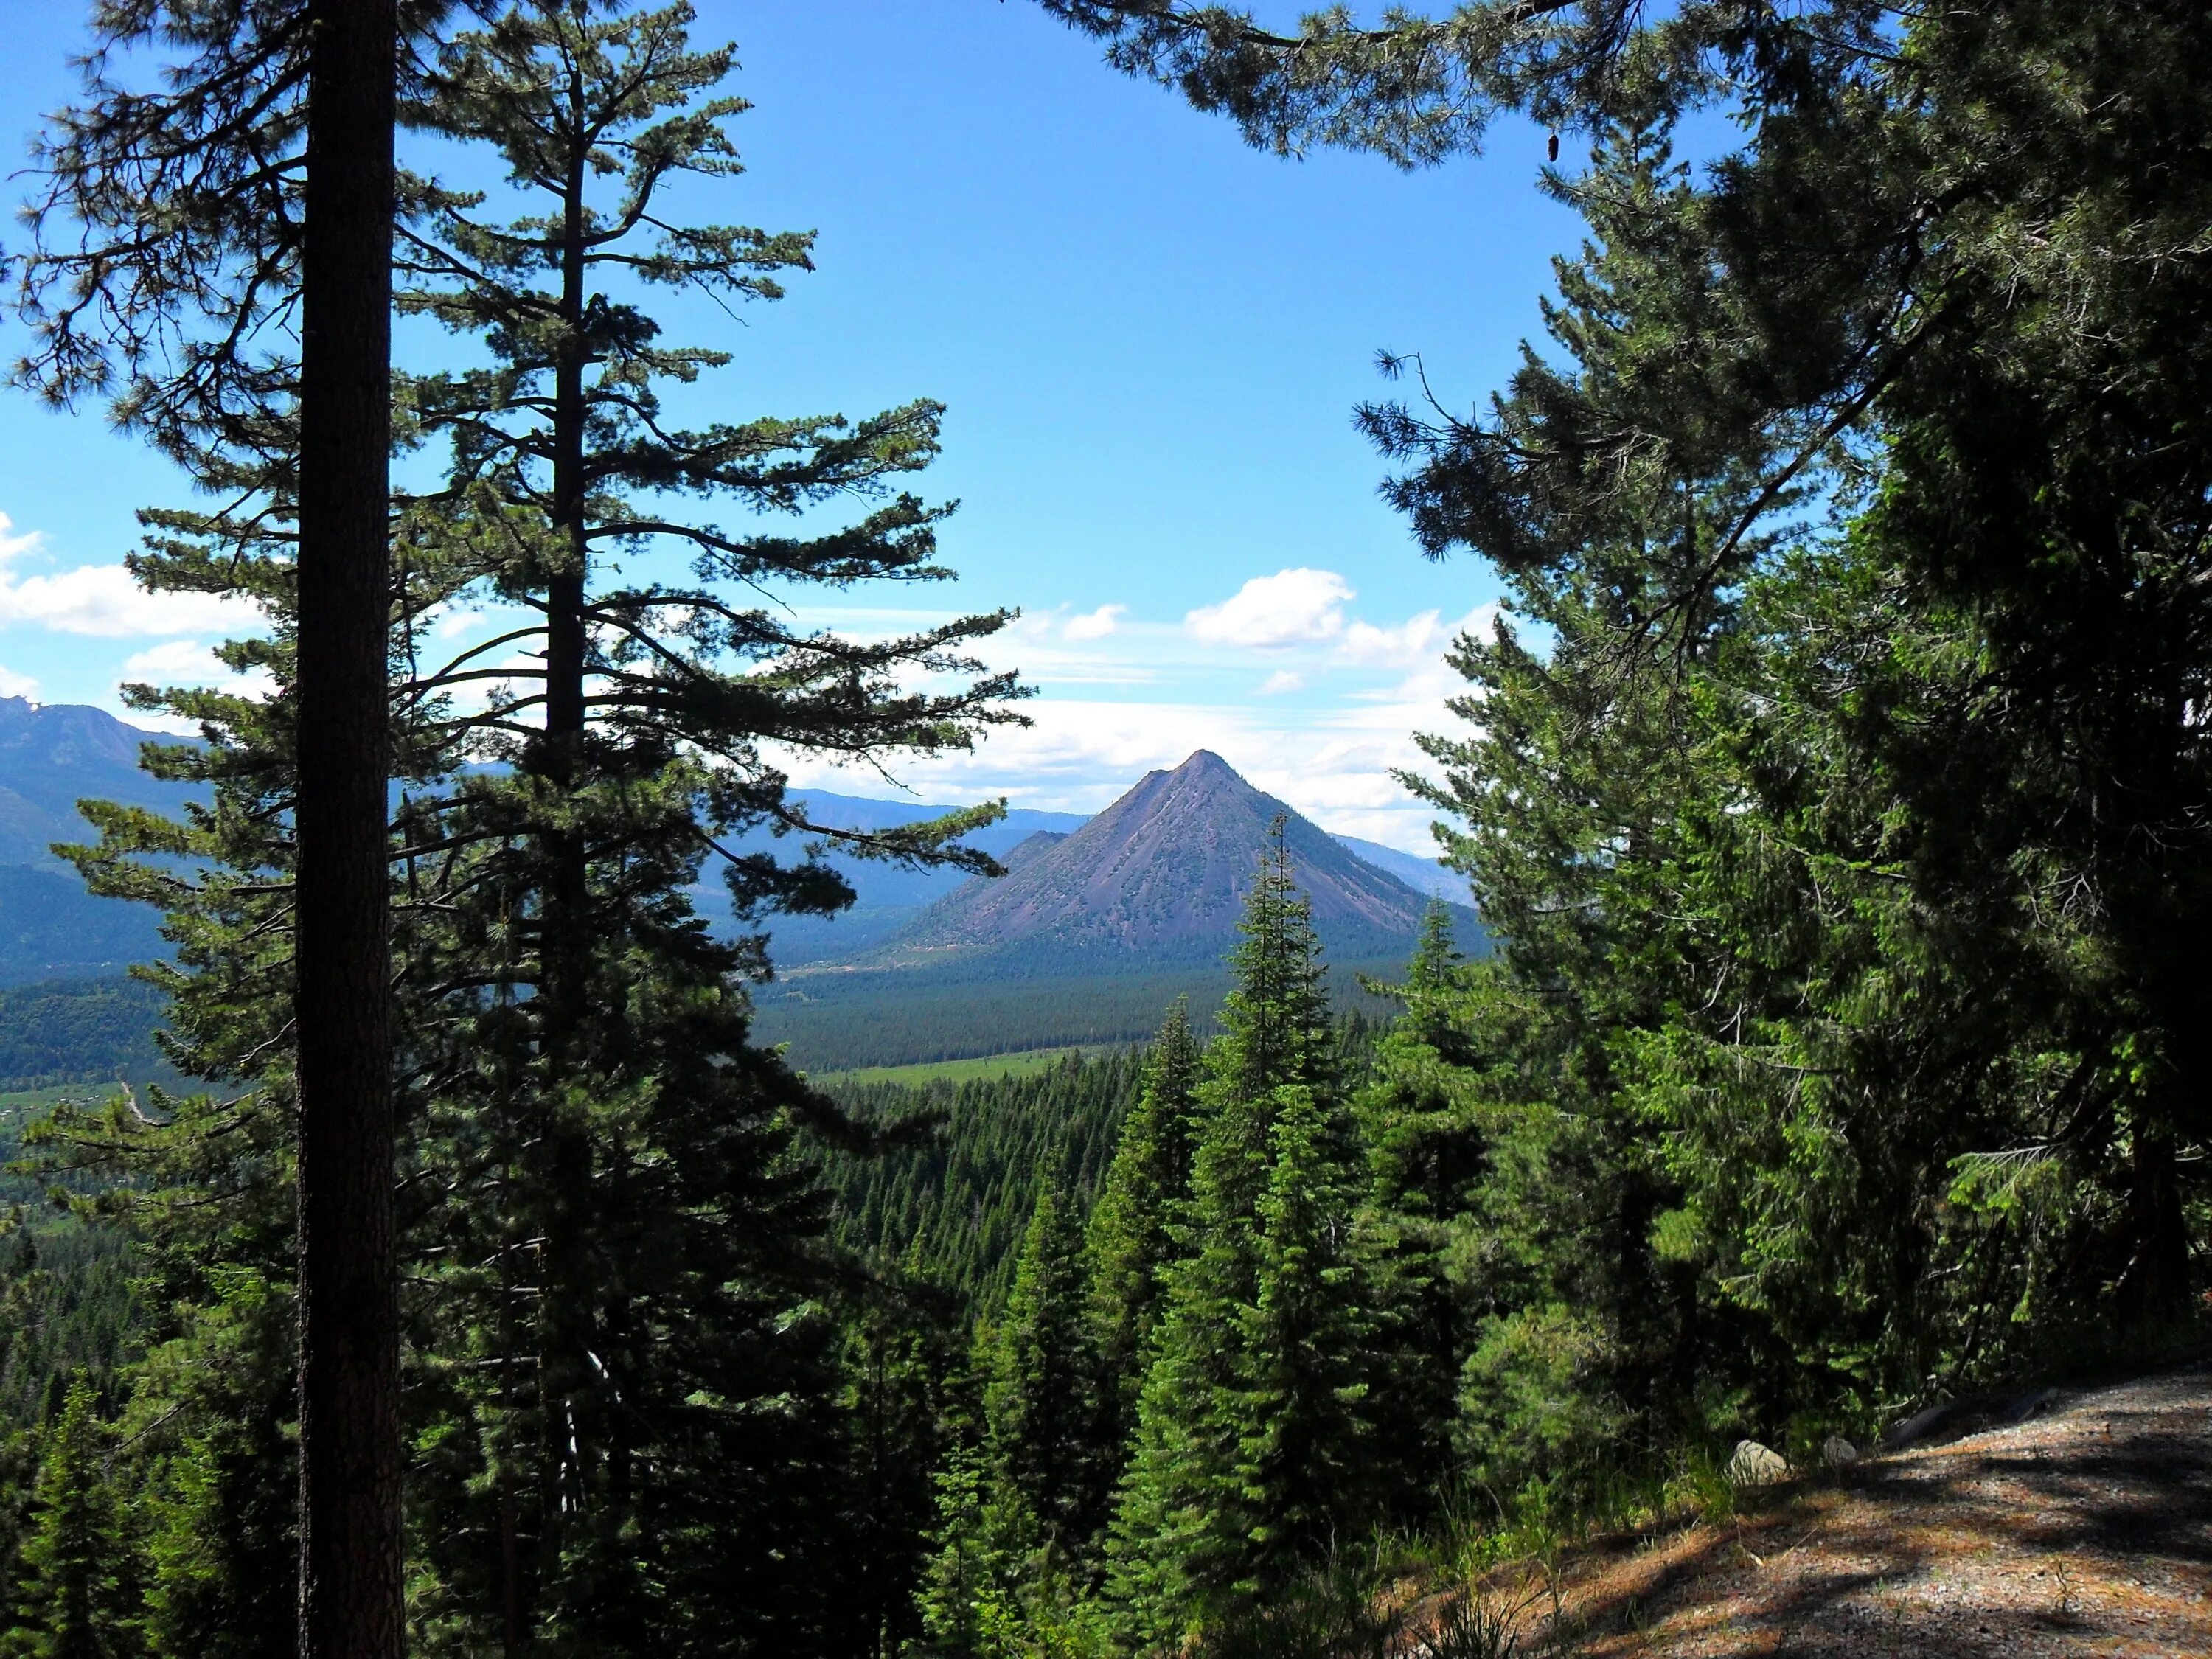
[{"x": 1156, "y": 879}]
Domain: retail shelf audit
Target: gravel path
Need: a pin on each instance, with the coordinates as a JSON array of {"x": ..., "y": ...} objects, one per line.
[{"x": 2087, "y": 1530}]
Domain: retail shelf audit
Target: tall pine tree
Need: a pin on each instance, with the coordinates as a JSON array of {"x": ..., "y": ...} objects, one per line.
[
  {"x": 79, "y": 1598},
  {"x": 1133, "y": 1227},
  {"x": 1247, "y": 1459},
  {"x": 623, "y": 1358}
]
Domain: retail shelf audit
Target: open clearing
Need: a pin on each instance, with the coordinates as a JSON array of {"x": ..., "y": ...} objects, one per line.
[
  {"x": 2085, "y": 1530},
  {"x": 962, "y": 1070}
]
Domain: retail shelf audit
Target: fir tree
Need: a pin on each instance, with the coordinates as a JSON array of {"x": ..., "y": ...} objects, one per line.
[
  {"x": 78, "y": 1600},
  {"x": 901, "y": 1364},
  {"x": 1133, "y": 1226},
  {"x": 624, "y": 1363},
  {"x": 629, "y": 1165},
  {"x": 1421, "y": 1229},
  {"x": 1210, "y": 1516},
  {"x": 1305, "y": 1469},
  {"x": 1040, "y": 1404},
  {"x": 1018, "y": 1519}
]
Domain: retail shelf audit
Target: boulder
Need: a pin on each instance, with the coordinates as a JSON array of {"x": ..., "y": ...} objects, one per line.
[
  {"x": 1754, "y": 1465},
  {"x": 1839, "y": 1453}
]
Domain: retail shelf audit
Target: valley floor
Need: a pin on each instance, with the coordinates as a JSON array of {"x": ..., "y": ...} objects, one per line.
[{"x": 2086, "y": 1531}]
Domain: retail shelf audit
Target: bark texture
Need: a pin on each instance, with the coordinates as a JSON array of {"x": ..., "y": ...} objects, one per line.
[{"x": 350, "y": 1452}]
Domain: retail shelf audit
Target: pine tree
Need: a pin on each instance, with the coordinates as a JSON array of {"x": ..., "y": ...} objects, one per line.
[
  {"x": 623, "y": 1357},
  {"x": 350, "y": 1546},
  {"x": 1211, "y": 1516},
  {"x": 900, "y": 1361},
  {"x": 634, "y": 1362},
  {"x": 1421, "y": 1225},
  {"x": 1133, "y": 1229},
  {"x": 1803, "y": 828},
  {"x": 1018, "y": 1519},
  {"x": 78, "y": 1597},
  {"x": 1040, "y": 1401},
  {"x": 250, "y": 197},
  {"x": 1305, "y": 1469}
]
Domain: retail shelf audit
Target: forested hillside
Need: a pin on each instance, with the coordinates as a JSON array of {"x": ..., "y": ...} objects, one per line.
[{"x": 80, "y": 1032}]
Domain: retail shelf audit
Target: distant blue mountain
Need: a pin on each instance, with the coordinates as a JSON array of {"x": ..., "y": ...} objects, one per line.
[
  {"x": 1425, "y": 876},
  {"x": 51, "y": 757},
  {"x": 889, "y": 895}
]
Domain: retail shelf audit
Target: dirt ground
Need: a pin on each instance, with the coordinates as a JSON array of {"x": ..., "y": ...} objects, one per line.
[{"x": 2085, "y": 1530}]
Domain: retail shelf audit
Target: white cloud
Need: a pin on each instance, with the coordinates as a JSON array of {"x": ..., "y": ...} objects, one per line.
[
  {"x": 1418, "y": 640},
  {"x": 457, "y": 624},
  {"x": 10, "y": 546},
  {"x": 1332, "y": 755},
  {"x": 13, "y": 684},
  {"x": 1291, "y": 607},
  {"x": 102, "y": 600},
  {"x": 1417, "y": 637},
  {"x": 175, "y": 662},
  {"x": 188, "y": 663},
  {"x": 1096, "y": 624}
]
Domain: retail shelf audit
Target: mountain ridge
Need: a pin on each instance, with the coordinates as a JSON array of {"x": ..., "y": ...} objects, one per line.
[{"x": 1160, "y": 878}]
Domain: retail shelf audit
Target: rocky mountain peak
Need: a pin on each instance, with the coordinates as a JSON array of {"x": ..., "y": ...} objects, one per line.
[{"x": 1160, "y": 875}]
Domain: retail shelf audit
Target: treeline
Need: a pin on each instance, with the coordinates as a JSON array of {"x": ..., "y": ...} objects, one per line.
[{"x": 847, "y": 1021}]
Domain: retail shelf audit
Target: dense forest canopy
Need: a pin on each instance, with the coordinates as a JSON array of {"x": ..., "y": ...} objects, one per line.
[{"x": 1833, "y": 787}]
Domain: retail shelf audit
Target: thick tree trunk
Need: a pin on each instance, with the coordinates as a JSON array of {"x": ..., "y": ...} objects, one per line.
[{"x": 350, "y": 1453}]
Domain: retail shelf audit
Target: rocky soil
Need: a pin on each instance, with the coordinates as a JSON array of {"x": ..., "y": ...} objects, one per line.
[{"x": 2085, "y": 1529}]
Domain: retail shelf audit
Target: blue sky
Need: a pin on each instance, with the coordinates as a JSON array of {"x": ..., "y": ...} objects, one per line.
[{"x": 1151, "y": 338}]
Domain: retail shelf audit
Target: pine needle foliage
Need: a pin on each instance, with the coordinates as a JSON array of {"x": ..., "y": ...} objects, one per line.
[{"x": 626, "y": 1397}]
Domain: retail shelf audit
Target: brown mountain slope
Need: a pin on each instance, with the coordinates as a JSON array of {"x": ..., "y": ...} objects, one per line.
[{"x": 1160, "y": 878}]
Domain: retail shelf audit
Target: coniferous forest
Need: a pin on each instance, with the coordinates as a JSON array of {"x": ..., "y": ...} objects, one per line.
[{"x": 462, "y": 1276}]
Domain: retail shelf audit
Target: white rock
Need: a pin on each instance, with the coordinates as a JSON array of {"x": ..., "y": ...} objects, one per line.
[{"x": 1754, "y": 1465}]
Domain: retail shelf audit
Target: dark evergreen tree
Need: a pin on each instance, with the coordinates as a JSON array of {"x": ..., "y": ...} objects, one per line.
[
  {"x": 1018, "y": 1519},
  {"x": 1133, "y": 1226},
  {"x": 351, "y": 1603},
  {"x": 1844, "y": 828},
  {"x": 1213, "y": 1516},
  {"x": 1305, "y": 1467},
  {"x": 247, "y": 200},
  {"x": 623, "y": 1357},
  {"x": 1422, "y": 1234},
  {"x": 79, "y": 1599},
  {"x": 633, "y": 1383},
  {"x": 902, "y": 1360},
  {"x": 1040, "y": 1396}
]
